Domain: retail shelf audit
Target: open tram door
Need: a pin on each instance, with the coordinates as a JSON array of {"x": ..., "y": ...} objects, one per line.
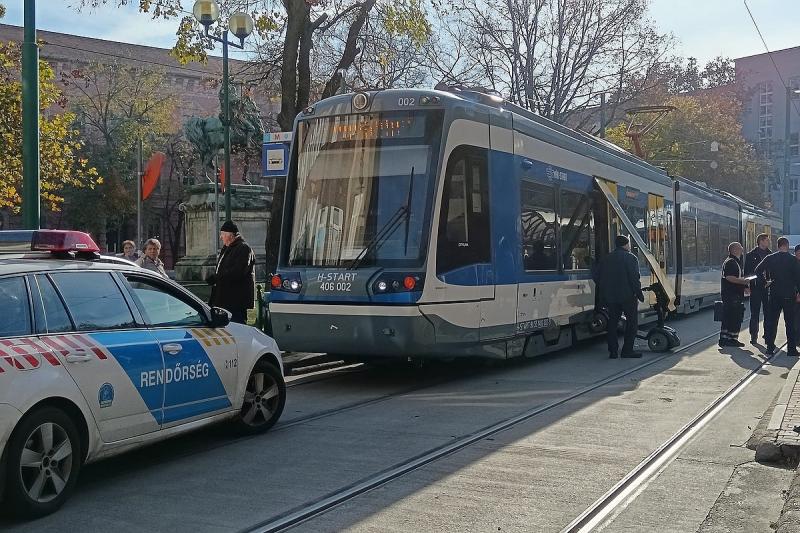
[{"x": 660, "y": 337}]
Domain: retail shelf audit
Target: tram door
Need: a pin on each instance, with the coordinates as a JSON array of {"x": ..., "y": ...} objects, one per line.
[{"x": 657, "y": 234}]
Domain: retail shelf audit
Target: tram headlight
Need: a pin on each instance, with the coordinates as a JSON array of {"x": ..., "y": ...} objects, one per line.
[
  {"x": 360, "y": 101},
  {"x": 276, "y": 281},
  {"x": 381, "y": 286},
  {"x": 295, "y": 285}
]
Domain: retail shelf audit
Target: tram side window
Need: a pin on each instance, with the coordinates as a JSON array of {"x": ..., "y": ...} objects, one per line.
[
  {"x": 538, "y": 227},
  {"x": 716, "y": 245},
  {"x": 464, "y": 225},
  {"x": 703, "y": 245},
  {"x": 576, "y": 226},
  {"x": 689, "y": 241}
]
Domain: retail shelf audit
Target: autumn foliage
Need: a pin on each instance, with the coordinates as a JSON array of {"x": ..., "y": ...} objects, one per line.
[{"x": 60, "y": 143}]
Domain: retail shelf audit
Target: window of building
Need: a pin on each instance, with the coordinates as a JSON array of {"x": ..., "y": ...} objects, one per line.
[
  {"x": 94, "y": 300},
  {"x": 464, "y": 226},
  {"x": 538, "y": 214},
  {"x": 576, "y": 230},
  {"x": 794, "y": 144},
  {"x": 765, "y": 111},
  {"x": 14, "y": 297},
  {"x": 793, "y": 191}
]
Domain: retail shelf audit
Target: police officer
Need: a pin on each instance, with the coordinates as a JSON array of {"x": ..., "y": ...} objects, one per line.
[
  {"x": 732, "y": 291},
  {"x": 619, "y": 289},
  {"x": 781, "y": 271},
  {"x": 758, "y": 293}
]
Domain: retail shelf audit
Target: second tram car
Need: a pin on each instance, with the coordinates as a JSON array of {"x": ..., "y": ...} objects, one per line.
[{"x": 444, "y": 224}]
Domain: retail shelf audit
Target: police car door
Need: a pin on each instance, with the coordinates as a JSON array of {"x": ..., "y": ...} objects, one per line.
[
  {"x": 115, "y": 362},
  {"x": 200, "y": 363}
]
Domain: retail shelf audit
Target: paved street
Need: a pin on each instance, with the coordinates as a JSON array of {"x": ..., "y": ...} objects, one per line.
[{"x": 345, "y": 426}]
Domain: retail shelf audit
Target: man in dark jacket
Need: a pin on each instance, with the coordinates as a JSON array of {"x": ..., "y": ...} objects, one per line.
[
  {"x": 619, "y": 288},
  {"x": 781, "y": 273},
  {"x": 233, "y": 283},
  {"x": 758, "y": 293}
]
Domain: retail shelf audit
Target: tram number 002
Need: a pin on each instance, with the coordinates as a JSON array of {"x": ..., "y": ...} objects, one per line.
[
  {"x": 406, "y": 102},
  {"x": 335, "y": 286}
]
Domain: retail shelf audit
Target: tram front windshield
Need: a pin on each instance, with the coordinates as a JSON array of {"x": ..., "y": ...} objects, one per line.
[{"x": 363, "y": 187}]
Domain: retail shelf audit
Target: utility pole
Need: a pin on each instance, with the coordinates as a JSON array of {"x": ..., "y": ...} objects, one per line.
[
  {"x": 787, "y": 204},
  {"x": 30, "y": 121}
]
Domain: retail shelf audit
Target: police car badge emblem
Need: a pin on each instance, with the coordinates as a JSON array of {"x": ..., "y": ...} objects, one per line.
[{"x": 106, "y": 395}]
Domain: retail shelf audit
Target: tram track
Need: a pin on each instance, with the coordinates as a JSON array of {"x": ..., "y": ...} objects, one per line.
[
  {"x": 603, "y": 511},
  {"x": 326, "y": 503}
]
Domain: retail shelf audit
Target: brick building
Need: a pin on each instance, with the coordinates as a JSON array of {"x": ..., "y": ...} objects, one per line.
[{"x": 196, "y": 88}]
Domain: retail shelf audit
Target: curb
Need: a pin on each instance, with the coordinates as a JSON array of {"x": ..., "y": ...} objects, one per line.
[
  {"x": 770, "y": 448},
  {"x": 789, "y": 521}
]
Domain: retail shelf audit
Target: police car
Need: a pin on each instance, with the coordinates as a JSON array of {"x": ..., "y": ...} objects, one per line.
[{"x": 98, "y": 357}]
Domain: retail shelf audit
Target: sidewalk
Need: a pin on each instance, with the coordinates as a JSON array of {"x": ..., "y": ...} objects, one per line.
[{"x": 782, "y": 442}]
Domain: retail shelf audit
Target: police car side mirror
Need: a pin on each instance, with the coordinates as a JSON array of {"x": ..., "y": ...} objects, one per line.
[{"x": 219, "y": 317}]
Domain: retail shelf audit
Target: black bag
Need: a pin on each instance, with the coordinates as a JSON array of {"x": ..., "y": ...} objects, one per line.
[{"x": 718, "y": 310}]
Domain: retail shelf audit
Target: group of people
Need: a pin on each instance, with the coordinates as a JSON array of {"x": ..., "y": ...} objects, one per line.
[
  {"x": 233, "y": 280},
  {"x": 773, "y": 283},
  {"x": 772, "y": 280}
]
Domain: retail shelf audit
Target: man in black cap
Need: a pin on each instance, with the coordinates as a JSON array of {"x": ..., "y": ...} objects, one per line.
[
  {"x": 619, "y": 288},
  {"x": 781, "y": 272},
  {"x": 233, "y": 282},
  {"x": 758, "y": 293}
]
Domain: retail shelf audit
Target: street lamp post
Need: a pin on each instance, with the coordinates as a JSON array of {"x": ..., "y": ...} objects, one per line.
[
  {"x": 30, "y": 120},
  {"x": 787, "y": 160},
  {"x": 241, "y": 25}
]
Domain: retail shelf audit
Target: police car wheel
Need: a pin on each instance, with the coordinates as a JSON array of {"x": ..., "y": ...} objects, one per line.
[
  {"x": 44, "y": 459},
  {"x": 264, "y": 399}
]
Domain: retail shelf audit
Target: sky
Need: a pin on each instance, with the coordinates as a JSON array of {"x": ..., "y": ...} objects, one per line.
[{"x": 703, "y": 28}]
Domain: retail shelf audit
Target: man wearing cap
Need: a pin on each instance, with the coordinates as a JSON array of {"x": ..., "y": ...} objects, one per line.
[
  {"x": 233, "y": 282},
  {"x": 620, "y": 287}
]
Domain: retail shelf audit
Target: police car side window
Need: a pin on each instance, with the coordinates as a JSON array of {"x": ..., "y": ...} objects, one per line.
[
  {"x": 17, "y": 311},
  {"x": 56, "y": 316},
  {"x": 162, "y": 309},
  {"x": 94, "y": 300}
]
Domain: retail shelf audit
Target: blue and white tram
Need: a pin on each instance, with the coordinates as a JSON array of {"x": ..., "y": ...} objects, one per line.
[{"x": 442, "y": 224}]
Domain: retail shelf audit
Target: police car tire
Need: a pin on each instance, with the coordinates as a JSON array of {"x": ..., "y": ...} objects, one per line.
[
  {"x": 19, "y": 502},
  {"x": 275, "y": 374}
]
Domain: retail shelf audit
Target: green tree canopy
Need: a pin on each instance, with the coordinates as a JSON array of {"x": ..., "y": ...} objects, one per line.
[
  {"x": 60, "y": 143},
  {"x": 681, "y": 142}
]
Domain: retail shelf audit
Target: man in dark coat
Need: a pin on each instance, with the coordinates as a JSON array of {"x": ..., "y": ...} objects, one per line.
[
  {"x": 781, "y": 273},
  {"x": 619, "y": 288},
  {"x": 758, "y": 293},
  {"x": 233, "y": 283}
]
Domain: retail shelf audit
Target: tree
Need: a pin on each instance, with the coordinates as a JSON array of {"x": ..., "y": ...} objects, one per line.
[
  {"x": 553, "y": 56},
  {"x": 118, "y": 106},
  {"x": 60, "y": 145},
  {"x": 681, "y": 142}
]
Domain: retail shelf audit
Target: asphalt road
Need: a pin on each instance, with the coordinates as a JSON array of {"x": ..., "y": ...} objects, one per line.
[{"x": 535, "y": 476}]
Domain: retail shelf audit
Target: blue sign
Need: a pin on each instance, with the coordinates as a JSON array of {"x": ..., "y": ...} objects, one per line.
[{"x": 275, "y": 160}]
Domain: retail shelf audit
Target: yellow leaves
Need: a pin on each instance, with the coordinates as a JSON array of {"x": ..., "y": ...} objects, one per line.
[
  {"x": 189, "y": 45},
  {"x": 59, "y": 142},
  {"x": 266, "y": 23},
  {"x": 407, "y": 18}
]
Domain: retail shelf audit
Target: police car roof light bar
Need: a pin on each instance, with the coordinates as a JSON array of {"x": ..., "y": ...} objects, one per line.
[{"x": 62, "y": 241}]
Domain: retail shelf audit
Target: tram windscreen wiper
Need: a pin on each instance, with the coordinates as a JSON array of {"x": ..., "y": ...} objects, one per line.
[{"x": 403, "y": 212}]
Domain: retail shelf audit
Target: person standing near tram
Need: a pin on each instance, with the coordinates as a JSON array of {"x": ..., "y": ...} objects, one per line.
[
  {"x": 783, "y": 272},
  {"x": 758, "y": 291},
  {"x": 732, "y": 289}
]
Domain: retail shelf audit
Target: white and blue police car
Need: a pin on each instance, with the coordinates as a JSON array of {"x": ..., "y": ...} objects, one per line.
[{"x": 98, "y": 357}]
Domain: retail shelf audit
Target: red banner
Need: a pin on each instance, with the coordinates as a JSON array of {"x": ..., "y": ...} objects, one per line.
[{"x": 152, "y": 173}]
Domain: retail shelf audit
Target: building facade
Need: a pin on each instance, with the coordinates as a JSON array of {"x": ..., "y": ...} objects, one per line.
[
  {"x": 195, "y": 88},
  {"x": 771, "y": 109}
]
